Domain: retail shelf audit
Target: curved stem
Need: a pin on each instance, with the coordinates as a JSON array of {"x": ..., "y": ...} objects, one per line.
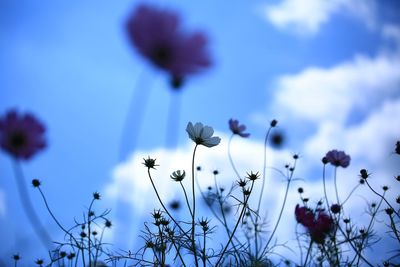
[
  {"x": 33, "y": 218},
  {"x": 264, "y": 169},
  {"x": 262, "y": 188},
  {"x": 381, "y": 196},
  {"x": 186, "y": 198},
  {"x": 338, "y": 225},
  {"x": 230, "y": 157},
  {"x": 162, "y": 204},
  {"x": 282, "y": 208},
  {"x": 236, "y": 226}
]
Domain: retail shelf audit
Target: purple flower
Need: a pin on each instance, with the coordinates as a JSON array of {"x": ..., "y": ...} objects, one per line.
[
  {"x": 21, "y": 135},
  {"x": 158, "y": 36},
  {"x": 337, "y": 158},
  {"x": 238, "y": 129}
]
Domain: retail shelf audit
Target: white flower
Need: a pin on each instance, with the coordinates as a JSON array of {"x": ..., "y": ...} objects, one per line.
[{"x": 202, "y": 135}]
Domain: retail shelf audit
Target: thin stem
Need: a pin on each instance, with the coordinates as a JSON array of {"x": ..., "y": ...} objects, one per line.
[
  {"x": 308, "y": 253},
  {"x": 204, "y": 249},
  {"x": 89, "y": 224},
  {"x": 177, "y": 251},
  {"x": 282, "y": 208},
  {"x": 393, "y": 226},
  {"x": 230, "y": 157},
  {"x": 237, "y": 224},
  {"x": 162, "y": 204},
  {"x": 264, "y": 170},
  {"x": 381, "y": 196},
  {"x": 367, "y": 231},
  {"x": 336, "y": 188},
  {"x": 28, "y": 208},
  {"x": 329, "y": 210},
  {"x": 338, "y": 225},
  {"x": 173, "y": 119},
  {"x": 186, "y": 198},
  {"x": 298, "y": 243},
  {"x": 54, "y": 218},
  {"x": 194, "y": 210},
  {"x": 262, "y": 187}
]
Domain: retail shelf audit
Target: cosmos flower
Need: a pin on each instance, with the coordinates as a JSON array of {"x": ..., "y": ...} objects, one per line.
[
  {"x": 238, "y": 129},
  {"x": 21, "y": 135},
  {"x": 304, "y": 216},
  {"x": 158, "y": 36},
  {"x": 318, "y": 224},
  {"x": 338, "y": 158},
  {"x": 202, "y": 135},
  {"x": 322, "y": 226}
]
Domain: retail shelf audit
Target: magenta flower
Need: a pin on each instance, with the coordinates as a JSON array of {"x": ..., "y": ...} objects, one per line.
[
  {"x": 304, "y": 216},
  {"x": 238, "y": 129},
  {"x": 338, "y": 158},
  {"x": 21, "y": 135},
  {"x": 318, "y": 224},
  {"x": 322, "y": 226},
  {"x": 158, "y": 37}
]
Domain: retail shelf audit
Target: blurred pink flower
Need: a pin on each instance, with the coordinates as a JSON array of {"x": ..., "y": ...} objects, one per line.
[
  {"x": 238, "y": 129},
  {"x": 21, "y": 135},
  {"x": 158, "y": 36}
]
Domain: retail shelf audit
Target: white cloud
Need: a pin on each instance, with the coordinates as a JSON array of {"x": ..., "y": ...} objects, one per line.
[
  {"x": 319, "y": 94},
  {"x": 307, "y": 16}
]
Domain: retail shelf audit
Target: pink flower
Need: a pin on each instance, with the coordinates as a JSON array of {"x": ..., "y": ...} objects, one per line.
[
  {"x": 338, "y": 158},
  {"x": 158, "y": 36},
  {"x": 21, "y": 135},
  {"x": 238, "y": 129}
]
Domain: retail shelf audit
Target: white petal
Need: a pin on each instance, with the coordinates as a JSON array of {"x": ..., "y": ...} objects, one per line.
[
  {"x": 207, "y": 132},
  {"x": 190, "y": 131},
  {"x": 213, "y": 141},
  {"x": 198, "y": 128}
]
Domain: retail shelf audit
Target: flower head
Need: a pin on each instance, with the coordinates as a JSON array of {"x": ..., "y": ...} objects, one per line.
[
  {"x": 237, "y": 129},
  {"x": 158, "y": 37},
  {"x": 318, "y": 223},
  {"x": 322, "y": 226},
  {"x": 21, "y": 135},
  {"x": 178, "y": 175},
  {"x": 338, "y": 158},
  {"x": 150, "y": 163},
  {"x": 202, "y": 135},
  {"x": 304, "y": 216}
]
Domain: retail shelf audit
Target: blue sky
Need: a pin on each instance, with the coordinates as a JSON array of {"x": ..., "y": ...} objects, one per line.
[{"x": 328, "y": 71}]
